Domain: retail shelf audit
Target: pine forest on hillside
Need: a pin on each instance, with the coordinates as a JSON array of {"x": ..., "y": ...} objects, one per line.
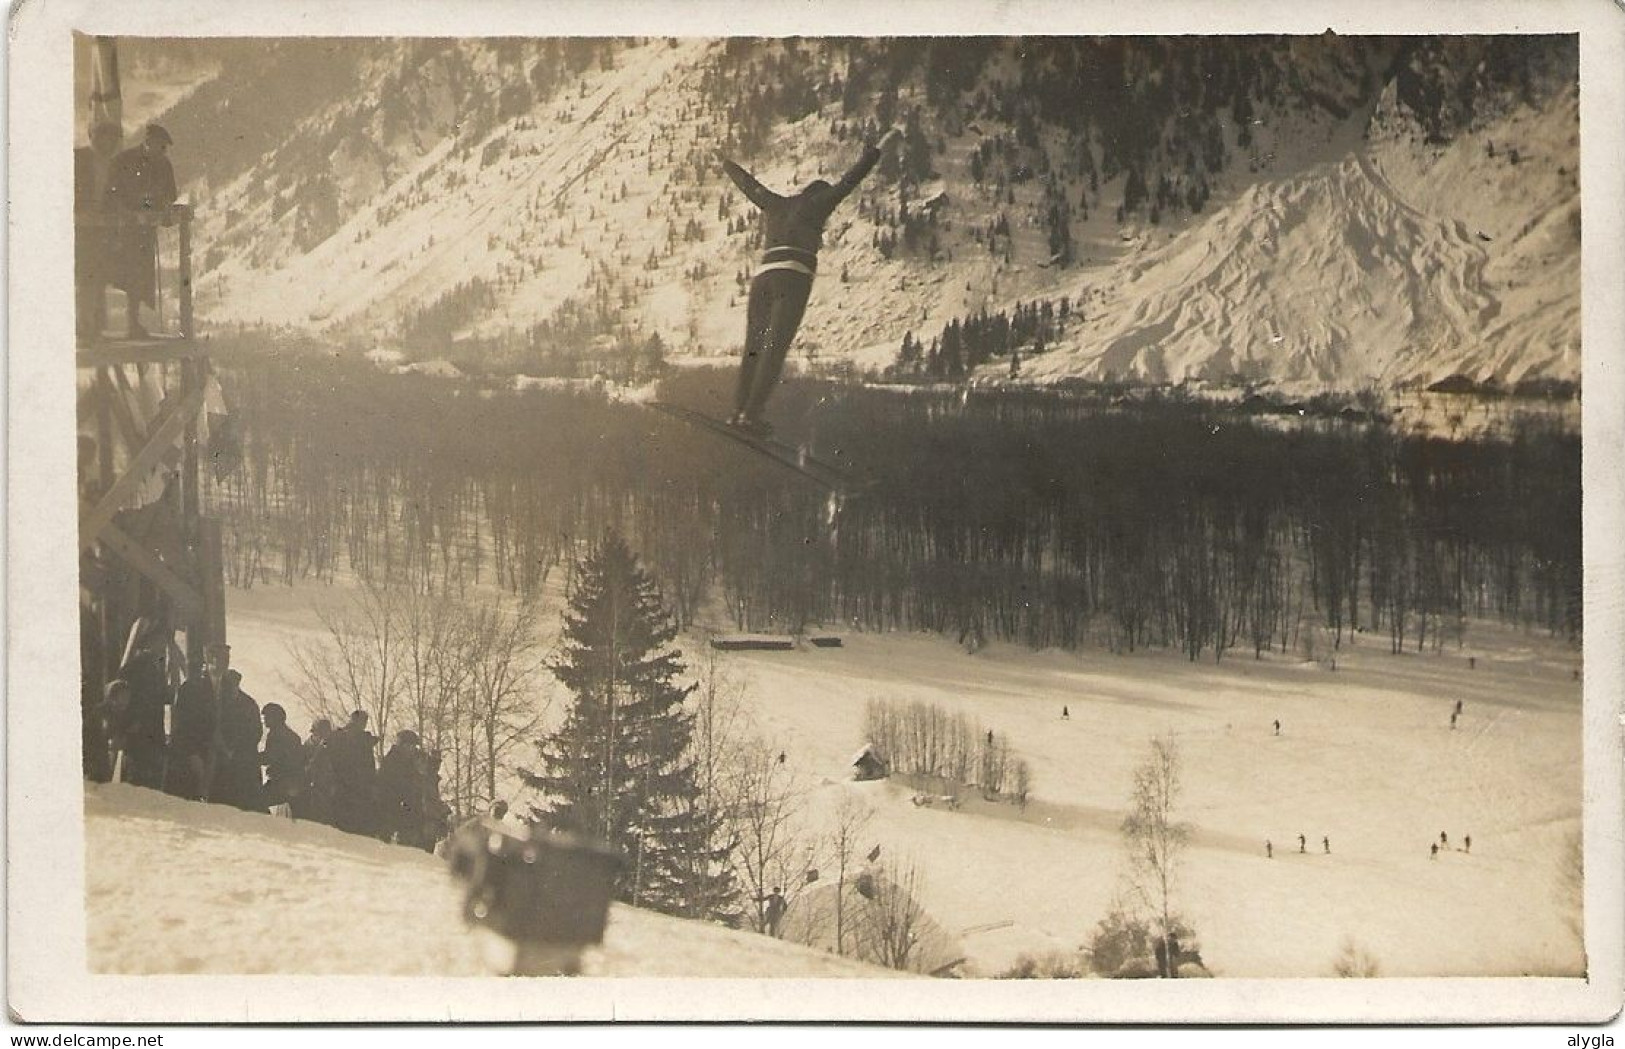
[{"x": 1027, "y": 517}]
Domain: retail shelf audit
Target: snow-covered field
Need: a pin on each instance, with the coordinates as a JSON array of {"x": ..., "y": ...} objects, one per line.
[
  {"x": 182, "y": 887},
  {"x": 1365, "y": 758}
]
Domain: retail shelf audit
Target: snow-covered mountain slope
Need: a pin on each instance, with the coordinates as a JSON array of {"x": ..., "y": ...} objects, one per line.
[
  {"x": 488, "y": 202},
  {"x": 1330, "y": 276},
  {"x": 174, "y": 886}
]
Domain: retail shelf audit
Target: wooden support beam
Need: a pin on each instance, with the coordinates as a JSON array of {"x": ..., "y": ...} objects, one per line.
[
  {"x": 151, "y": 350},
  {"x": 191, "y": 379},
  {"x": 114, "y": 390},
  {"x": 186, "y": 275},
  {"x": 104, "y": 430},
  {"x": 181, "y": 590},
  {"x": 211, "y": 570},
  {"x": 166, "y": 429}
]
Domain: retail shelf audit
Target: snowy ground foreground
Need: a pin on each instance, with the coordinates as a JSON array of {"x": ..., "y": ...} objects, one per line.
[
  {"x": 1366, "y": 757},
  {"x": 181, "y": 887}
]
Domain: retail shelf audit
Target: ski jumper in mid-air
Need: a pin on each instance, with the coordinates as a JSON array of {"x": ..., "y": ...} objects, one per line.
[{"x": 793, "y": 229}]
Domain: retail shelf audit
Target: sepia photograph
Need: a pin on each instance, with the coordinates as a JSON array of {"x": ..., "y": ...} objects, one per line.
[{"x": 1025, "y": 512}]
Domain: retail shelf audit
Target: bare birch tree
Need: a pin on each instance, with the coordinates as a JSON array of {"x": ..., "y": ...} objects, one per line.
[
  {"x": 360, "y": 664},
  {"x": 772, "y": 850},
  {"x": 851, "y": 822},
  {"x": 463, "y": 677},
  {"x": 503, "y": 658},
  {"x": 1155, "y": 839},
  {"x": 891, "y": 921}
]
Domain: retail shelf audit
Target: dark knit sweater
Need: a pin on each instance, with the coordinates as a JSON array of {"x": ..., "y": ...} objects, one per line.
[{"x": 797, "y": 222}]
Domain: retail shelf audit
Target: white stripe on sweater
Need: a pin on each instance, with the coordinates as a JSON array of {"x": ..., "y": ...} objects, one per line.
[{"x": 797, "y": 267}]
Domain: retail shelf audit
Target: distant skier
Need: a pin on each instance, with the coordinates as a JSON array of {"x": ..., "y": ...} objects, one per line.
[
  {"x": 1277, "y": 726},
  {"x": 1453, "y": 718},
  {"x": 1326, "y": 843},
  {"x": 1303, "y": 844},
  {"x": 1269, "y": 850},
  {"x": 1458, "y": 708},
  {"x": 1444, "y": 840},
  {"x": 990, "y": 737},
  {"x": 793, "y": 231},
  {"x": 1433, "y": 851},
  {"x": 1467, "y": 843},
  {"x": 1066, "y": 715}
]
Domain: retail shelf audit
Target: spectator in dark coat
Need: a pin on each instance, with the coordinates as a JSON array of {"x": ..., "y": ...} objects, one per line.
[
  {"x": 284, "y": 761},
  {"x": 142, "y": 726},
  {"x": 195, "y": 730},
  {"x": 140, "y": 189},
  {"x": 400, "y": 791},
  {"x": 355, "y": 777},
  {"x": 237, "y": 776},
  {"x": 96, "y": 717},
  {"x": 315, "y": 801},
  {"x": 115, "y": 711}
]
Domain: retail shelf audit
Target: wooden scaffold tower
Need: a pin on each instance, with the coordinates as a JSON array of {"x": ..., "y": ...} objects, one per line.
[{"x": 147, "y": 552}]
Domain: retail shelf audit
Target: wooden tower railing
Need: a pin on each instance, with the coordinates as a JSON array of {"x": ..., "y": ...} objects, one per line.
[{"x": 166, "y": 562}]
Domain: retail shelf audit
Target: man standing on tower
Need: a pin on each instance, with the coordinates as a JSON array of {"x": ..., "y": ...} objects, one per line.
[{"x": 140, "y": 189}]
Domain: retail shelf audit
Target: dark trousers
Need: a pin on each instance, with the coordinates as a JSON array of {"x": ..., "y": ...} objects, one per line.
[{"x": 778, "y": 299}]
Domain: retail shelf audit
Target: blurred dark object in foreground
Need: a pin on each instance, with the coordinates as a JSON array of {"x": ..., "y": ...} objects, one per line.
[{"x": 547, "y": 893}]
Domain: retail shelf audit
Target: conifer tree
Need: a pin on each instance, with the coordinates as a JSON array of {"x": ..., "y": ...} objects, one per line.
[{"x": 620, "y": 768}]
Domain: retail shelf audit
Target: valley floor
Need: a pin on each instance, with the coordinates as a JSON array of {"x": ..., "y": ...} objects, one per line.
[{"x": 1365, "y": 758}]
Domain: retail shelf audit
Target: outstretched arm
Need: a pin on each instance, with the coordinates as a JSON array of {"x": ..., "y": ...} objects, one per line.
[
  {"x": 759, "y": 194},
  {"x": 865, "y": 164},
  {"x": 849, "y": 181}
]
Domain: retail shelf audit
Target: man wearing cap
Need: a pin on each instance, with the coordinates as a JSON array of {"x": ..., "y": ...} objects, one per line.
[
  {"x": 140, "y": 189},
  {"x": 194, "y": 728},
  {"x": 284, "y": 761},
  {"x": 355, "y": 777},
  {"x": 237, "y": 780}
]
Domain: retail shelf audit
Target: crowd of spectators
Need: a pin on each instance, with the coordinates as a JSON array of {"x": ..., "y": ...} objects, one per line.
[{"x": 221, "y": 746}]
